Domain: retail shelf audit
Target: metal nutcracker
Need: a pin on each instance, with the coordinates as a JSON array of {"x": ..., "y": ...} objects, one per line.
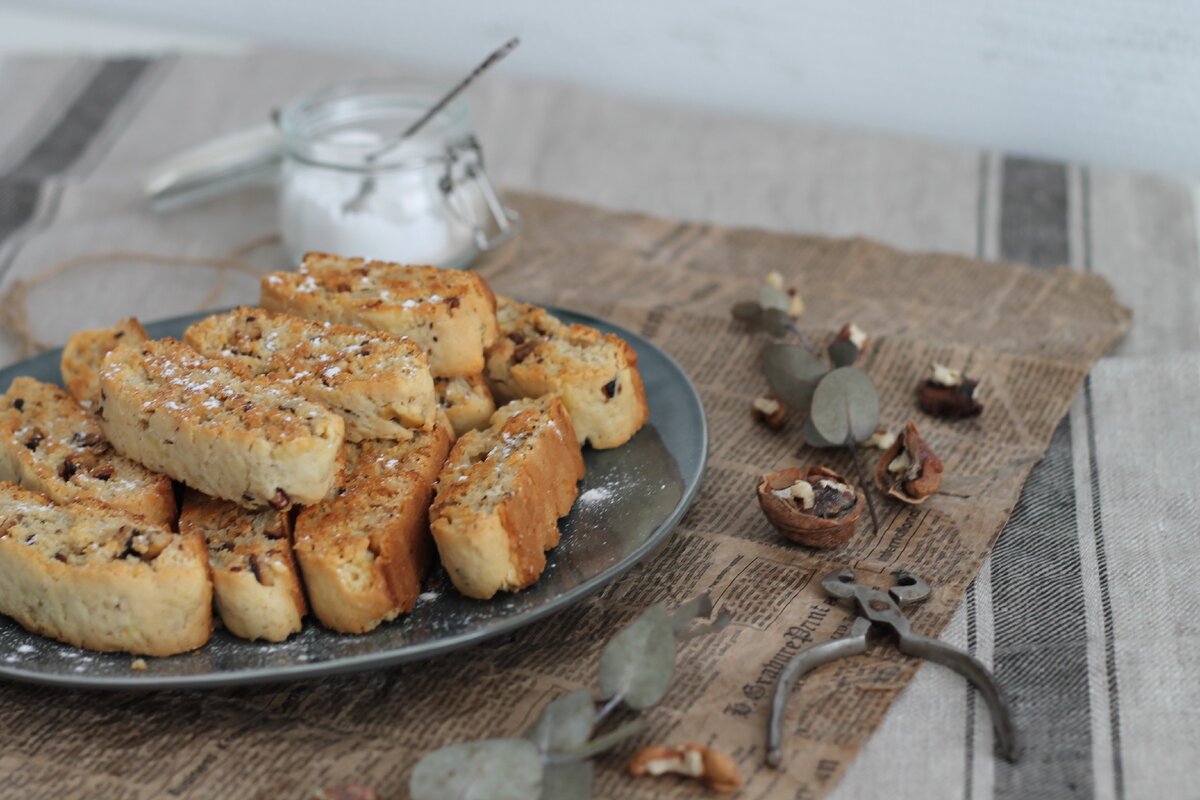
[{"x": 880, "y": 611}]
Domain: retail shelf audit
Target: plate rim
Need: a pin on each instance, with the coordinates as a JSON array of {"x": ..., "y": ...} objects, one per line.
[{"x": 419, "y": 652}]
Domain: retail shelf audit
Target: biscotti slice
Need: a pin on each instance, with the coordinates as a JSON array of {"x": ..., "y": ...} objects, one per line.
[
  {"x": 364, "y": 552},
  {"x": 49, "y": 444},
  {"x": 95, "y": 577},
  {"x": 255, "y": 581},
  {"x": 594, "y": 373},
  {"x": 467, "y": 402},
  {"x": 450, "y": 313},
  {"x": 249, "y": 440},
  {"x": 85, "y": 350},
  {"x": 378, "y": 382},
  {"x": 500, "y": 495}
]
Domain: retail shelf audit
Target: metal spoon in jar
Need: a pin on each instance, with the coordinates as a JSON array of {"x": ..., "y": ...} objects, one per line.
[{"x": 356, "y": 203}]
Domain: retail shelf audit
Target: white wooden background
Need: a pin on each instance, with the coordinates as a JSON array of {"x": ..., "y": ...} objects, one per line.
[{"x": 1105, "y": 81}]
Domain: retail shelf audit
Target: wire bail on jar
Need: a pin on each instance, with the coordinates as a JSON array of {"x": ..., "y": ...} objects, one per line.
[{"x": 465, "y": 171}]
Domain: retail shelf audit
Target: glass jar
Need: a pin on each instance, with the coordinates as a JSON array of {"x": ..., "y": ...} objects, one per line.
[{"x": 349, "y": 186}]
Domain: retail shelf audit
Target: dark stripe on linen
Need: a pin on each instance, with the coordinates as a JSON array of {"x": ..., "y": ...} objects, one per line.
[
  {"x": 1110, "y": 649},
  {"x": 65, "y": 141},
  {"x": 1033, "y": 212},
  {"x": 1040, "y": 651}
]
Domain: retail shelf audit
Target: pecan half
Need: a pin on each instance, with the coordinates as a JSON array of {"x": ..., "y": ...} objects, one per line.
[
  {"x": 770, "y": 411},
  {"x": 948, "y": 394},
  {"x": 717, "y": 770},
  {"x": 813, "y": 506},
  {"x": 909, "y": 471}
]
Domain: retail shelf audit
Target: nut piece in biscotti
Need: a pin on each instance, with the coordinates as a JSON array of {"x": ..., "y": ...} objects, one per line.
[
  {"x": 379, "y": 383},
  {"x": 95, "y": 577},
  {"x": 595, "y": 374},
  {"x": 49, "y": 444},
  {"x": 467, "y": 402},
  {"x": 256, "y": 585},
  {"x": 500, "y": 495},
  {"x": 365, "y": 551},
  {"x": 249, "y": 440},
  {"x": 451, "y": 313},
  {"x": 85, "y": 350}
]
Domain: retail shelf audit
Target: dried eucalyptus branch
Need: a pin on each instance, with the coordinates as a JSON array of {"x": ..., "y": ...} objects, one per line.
[
  {"x": 840, "y": 399},
  {"x": 552, "y": 760}
]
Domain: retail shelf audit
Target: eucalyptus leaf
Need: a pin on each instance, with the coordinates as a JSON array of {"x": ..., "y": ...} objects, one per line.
[
  {"x": 700, "y": 606},
  {"x": 776, "y": 322},
  {"x": 571, "y": 780},
  {"x": 814, "y": 439},
  {"x": 792, "y": 373},
  {"x": 845, "y": 405},
  {"x": 748, "y": 311},
  {"x": 843, "y": 352},
  {"x": 565, "y": 723},
  {"x": 771, "y": 297},
  {"x": 638, "y": 662},
  {"x": 488, "y": 769}
]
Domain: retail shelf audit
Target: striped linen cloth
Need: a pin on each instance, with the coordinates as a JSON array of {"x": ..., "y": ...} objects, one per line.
[{"x": 1086, "y": 608}]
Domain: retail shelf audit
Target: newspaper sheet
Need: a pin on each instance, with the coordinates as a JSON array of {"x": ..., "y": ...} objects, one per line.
[{"x": 1030, "y": 336}]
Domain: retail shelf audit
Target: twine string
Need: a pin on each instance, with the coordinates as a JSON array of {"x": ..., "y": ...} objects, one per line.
[{"x": 14, "y": 302}]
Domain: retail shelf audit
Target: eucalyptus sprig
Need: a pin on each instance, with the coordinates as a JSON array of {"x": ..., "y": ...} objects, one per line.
[
  {"x": 552, "y": 760},
  {"x": 840, "y": 399}
]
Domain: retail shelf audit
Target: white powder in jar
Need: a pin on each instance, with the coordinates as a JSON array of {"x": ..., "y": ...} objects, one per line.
[{"x": 405, "y": 218}]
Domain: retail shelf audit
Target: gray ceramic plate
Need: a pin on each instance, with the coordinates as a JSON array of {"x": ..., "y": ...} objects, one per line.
[{"x": 629, "y": 501}]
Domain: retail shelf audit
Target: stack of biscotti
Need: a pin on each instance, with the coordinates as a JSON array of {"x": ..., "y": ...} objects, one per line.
[
  {"x": 595, "y": 374},
  {"x": 95, "y": 577},
  {"x": 378, "y": 382},
  {"x": 500, "y": 495},
  {"x": 249, "y": 440},
  {"x": 341, "y": 396},
  {"x": 450, "y": 313},
  {"x": 50, "y": 444},
  {"x": 255, "y": 582},
  {"x": 84, "y": 352},
  {"x": 365, "y": 551}
]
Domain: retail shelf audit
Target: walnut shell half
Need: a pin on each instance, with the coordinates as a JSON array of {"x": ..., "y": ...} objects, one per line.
[
  {"x": 949, "y": 402},
  {"x": 801, "y": 525},
  {"x": 920, "y": 477}
]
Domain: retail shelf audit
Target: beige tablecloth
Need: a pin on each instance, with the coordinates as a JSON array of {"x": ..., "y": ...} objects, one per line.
[{"x": 1082, "y": 611}]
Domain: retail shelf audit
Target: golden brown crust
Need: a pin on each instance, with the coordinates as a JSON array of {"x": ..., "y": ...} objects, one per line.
[
  {"x": 500, "y": 495},
  {"x": 365, "y": 551},
  {"x": 91, "y": 576},
  {"x": 595, "y": 374},
  {"x": 85, "y": 351},
  {"x": 247, "y": 440},
  {"x": 49, "y": 444},
  {"x": 379, "y": 383},
  {"x": 449, "y": 313},
  {"x": 256, "y": 583}
]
